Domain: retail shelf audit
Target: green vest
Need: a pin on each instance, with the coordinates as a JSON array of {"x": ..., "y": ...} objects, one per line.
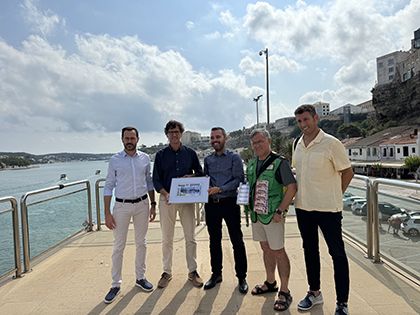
[{"x": 275, "y": 189}]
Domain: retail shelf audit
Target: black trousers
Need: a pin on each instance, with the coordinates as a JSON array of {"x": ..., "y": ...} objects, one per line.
[
  {"x": 228, "y": 210},
  {"x": 330, "y": 225}
]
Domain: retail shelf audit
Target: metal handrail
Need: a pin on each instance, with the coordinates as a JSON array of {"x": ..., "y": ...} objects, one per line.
[
  {"x": 369, "y": 232},
  {"x": 376, "y": 182},
  {"x": 24, "y": 214},
  {"x": 98, "y": 203},
  {"x": 16, "y": 241}
]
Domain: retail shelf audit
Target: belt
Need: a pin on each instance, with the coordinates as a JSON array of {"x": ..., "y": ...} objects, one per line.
[
  {"x": 219, "y": 200},
  {"x": 131, "y": 200}
]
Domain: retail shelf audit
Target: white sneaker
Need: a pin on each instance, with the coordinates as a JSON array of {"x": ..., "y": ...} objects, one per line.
[{"x": 310, "y": 300}]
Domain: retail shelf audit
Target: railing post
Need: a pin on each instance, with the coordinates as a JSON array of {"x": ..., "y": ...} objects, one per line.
[
  {"x": 376, "y": 255},
  {"x": 369, "y": 231},
  {"x": 98, "y": 204},
  {"x": 25, "y": 233},
  {"x": 369, "y": 217},
  {"x": 89, "y": 205},
  {"x": 16, "y": 240}
]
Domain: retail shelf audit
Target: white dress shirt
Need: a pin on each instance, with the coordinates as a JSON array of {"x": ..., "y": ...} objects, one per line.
[{"x": 129, "y": 175}]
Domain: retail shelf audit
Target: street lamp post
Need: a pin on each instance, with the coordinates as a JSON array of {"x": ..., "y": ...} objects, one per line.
[
  {"x": 256, "y": 101},
  {"x": 266, "y": 74}
]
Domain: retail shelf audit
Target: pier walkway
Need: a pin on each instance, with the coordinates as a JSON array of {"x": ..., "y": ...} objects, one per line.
[{"x": 75, "y": 277}]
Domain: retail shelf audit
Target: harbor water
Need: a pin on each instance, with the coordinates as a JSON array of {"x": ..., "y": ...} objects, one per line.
[{"x": 52, "y": 221}]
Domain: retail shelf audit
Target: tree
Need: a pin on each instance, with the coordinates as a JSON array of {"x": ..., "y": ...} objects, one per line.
[
  {"x": 295, "y": 132},
  {"x": 351, "y": 130},
  {"x": 412, "y": 162},
  {"x": 15, "y": 161},
  {"x": 247, "y": 154},
  {"x": 292, "y": 121},
  {"x": 235, "y": 134},
  {"x": 279, "y": 144}
]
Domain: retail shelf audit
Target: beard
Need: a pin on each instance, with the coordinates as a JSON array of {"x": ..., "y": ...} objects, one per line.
[
  {"x": 130, "y": 147},
  {"x": 218, "y": 146}
]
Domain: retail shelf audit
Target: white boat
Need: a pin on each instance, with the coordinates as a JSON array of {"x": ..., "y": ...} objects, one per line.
[
  {"x": 63, "y": 177},
  {"x": 98, "y": 172}
]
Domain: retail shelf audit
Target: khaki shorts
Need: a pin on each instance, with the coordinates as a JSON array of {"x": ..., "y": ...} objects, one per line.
[{"x": 273, "y": 233}]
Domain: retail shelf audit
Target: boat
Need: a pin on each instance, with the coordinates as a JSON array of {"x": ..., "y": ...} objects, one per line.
[
  {"x": 98, "y": 172},
  {"x": 63, "y": 177}
]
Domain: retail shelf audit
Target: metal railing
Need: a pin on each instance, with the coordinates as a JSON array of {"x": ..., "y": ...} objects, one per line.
[
  {"x": 16, "y": 240},
  {"x": 372, "y": 220},
  {"x": 24, "y": 215},
  {"x": 369, "y": 230},
  {"x": 375, "y": 214},
  {"x": 98, "y": 202}
]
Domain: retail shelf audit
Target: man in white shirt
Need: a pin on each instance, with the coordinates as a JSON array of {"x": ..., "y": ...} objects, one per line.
[{"x": 129, "y": 174}]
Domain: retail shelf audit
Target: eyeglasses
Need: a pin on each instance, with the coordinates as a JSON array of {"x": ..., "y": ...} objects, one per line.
[
  {"x": 257, "y": 143},
  {"x": 174, "y": 132}
]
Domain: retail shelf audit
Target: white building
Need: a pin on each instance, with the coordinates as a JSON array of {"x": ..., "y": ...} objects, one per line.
[
  {"x": 367, "y": 107},
  {"x": 354, "y": 109},
  {"x": 322, "y": 109},
  {"x": 282, "y": 123},
  {"x": 189, "y": 136},
  {"x": 394, "y": 144},
  {"x": 403, "y": 63}
]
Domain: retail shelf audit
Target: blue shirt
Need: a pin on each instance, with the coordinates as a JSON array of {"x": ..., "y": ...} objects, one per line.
[
  {"x": 174, "y": 164},
  {"x": 226, "y": 171},
  {"x": 129, "y": 175}
]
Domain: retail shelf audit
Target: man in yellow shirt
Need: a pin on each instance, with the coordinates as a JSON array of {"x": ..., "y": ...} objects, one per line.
[{"x": 323, "y": 173}]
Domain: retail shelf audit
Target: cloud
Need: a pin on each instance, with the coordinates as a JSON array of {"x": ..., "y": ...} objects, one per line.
[
  {"x": 44, "y": 23},
  {"x": 348, "y": 33},
  {"x": 212, "y": 36},
  {"x": 111, "y": 82},
  {"x": 190, "y": 25},
  {"x": 359, "y": 73},
  {"x": 277, "y": 64},
  {"x": 341, "y": 30},
  {"x": 342, "y": 96}
]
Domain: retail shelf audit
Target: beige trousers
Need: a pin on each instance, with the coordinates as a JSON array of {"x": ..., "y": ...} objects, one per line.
[{"x": 167, "y": 224}]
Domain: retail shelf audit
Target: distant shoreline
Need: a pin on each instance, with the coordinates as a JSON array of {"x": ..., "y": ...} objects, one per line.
[{"x": 19, "y": 168}]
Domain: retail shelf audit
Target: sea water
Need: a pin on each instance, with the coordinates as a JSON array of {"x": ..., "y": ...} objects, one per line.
[{"x": 52, "y": 221}]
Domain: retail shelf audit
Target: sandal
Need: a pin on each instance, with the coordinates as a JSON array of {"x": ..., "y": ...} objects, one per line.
[
  {"x": 285, "y": 304},
  {"x": 271, "y": 287}
]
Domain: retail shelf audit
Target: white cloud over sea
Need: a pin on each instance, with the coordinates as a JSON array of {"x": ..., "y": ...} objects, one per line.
[{"x": 72, "y": 77}]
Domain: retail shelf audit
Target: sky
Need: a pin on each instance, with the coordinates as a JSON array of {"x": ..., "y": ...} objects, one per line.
[{"x": 73, "y": 73}]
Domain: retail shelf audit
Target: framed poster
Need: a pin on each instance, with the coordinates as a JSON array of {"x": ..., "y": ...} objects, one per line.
[{"x": 189, "y": 190}]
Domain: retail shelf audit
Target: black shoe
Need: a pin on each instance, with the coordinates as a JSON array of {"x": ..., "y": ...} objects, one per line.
[
  {"x": 112, "y": 294},
  {"x": 212, "y": 282},
  {"x": 243, "y": 286}
]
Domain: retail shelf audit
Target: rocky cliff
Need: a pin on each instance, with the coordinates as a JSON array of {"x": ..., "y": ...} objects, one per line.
[{"x": 398, "y": 101}]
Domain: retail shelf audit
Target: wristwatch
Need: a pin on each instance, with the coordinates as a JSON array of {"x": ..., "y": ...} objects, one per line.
[
  {"x": 221, "y": 190},
  {"x": 153, "y": 203},
  {"x": 283, "y": 213}
]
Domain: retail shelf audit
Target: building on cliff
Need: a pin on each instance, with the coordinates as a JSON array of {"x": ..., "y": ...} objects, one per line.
[
  {"x": 405, "y": 63},
  {"x": 396, "y": 96}
]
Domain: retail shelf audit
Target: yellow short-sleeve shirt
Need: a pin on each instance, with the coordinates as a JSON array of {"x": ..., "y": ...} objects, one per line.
[{"x": 318, "y": 174}]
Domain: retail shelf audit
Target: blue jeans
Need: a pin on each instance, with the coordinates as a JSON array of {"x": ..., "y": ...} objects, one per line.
[
  {"x": 230, "y": 212},
  {"x": 330, "y": 225}
]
